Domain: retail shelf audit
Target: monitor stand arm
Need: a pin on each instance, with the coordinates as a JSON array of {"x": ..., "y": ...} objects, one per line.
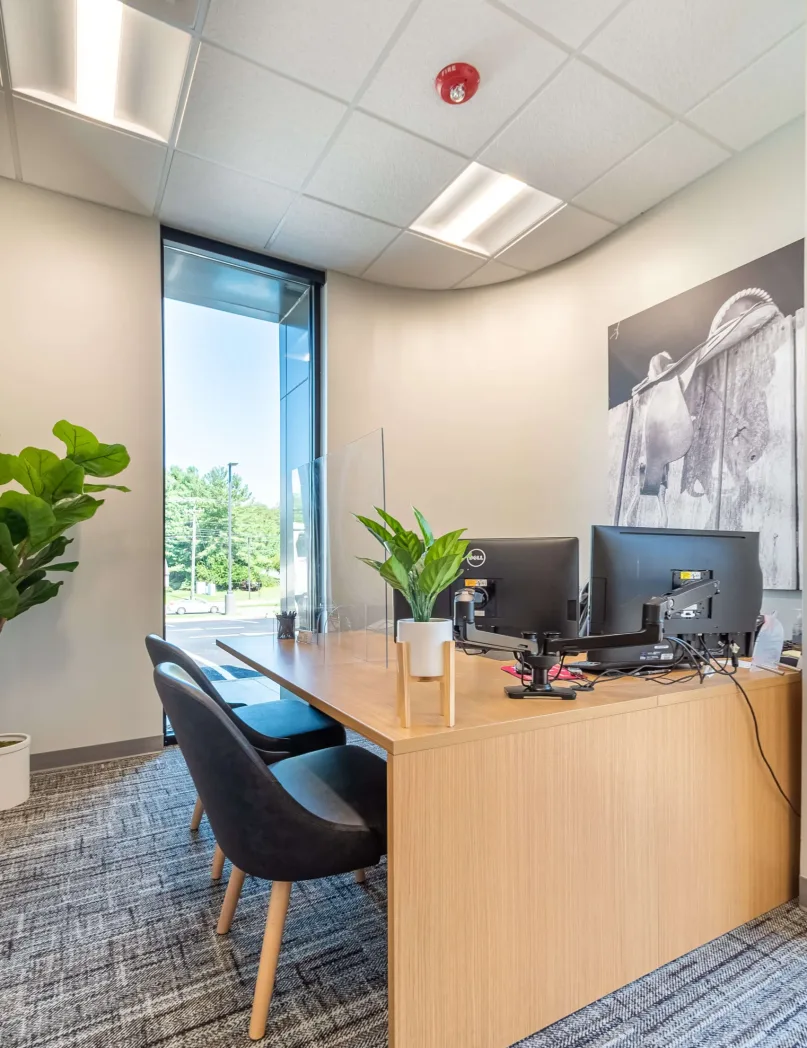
[{"x": 540, "y": 656}]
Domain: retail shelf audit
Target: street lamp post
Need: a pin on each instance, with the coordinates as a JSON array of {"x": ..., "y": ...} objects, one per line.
[{"x": 229, "y": 600}]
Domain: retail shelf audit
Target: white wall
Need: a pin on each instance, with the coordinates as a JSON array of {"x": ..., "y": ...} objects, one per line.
[
  {"x": 81, "y": 339},
  {"x": 494, "y": 401}
]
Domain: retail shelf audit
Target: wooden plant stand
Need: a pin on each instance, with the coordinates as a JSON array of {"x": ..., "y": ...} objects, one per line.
[{"x": 446, "y": 680}]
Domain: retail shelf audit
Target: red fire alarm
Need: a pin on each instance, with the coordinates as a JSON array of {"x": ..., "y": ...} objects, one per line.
[{"x": 457, "y": 83}]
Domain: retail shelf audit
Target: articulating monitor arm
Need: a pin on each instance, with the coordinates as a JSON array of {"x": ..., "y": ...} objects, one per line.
[{"x": 540, "y": 656}]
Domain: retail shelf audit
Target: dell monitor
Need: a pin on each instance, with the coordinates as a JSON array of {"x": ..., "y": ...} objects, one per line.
[
  {"x": 519, "y": 585},
  {"x": 630, "y": 565}
]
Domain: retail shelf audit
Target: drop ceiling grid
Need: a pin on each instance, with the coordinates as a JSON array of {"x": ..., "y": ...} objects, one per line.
[{"x": 590, "y": 34}]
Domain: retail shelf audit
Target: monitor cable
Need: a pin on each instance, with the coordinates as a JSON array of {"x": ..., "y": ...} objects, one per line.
[
  {"x": 723, "y": 671},
  {"x": 703, "y": 663}
]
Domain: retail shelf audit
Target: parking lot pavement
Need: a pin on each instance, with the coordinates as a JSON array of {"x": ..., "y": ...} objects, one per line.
[{"x": 198, "y": 636}]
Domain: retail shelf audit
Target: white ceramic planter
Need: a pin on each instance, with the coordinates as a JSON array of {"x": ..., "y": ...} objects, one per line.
[
  {"x": 426, "y": 640},
  {"x": 15, "y": 770}
]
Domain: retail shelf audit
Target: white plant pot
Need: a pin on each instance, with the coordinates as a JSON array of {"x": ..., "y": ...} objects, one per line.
[
  {"x": 425, "y": 640},
  {"x": 15, "y": 770}
]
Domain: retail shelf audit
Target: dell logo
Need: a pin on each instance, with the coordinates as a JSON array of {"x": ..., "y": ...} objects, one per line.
[{"x": 476, "y": 558}]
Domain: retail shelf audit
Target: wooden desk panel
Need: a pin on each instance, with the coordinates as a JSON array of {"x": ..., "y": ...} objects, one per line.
[
  {"x": 519, "y": 888},
  {"x": 543, "y": 853},
  {"x": 730, "y": 846}
]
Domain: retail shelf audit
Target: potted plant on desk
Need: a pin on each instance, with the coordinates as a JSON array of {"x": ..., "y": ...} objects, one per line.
[
  {"x": 420, "y": 567},
  {"x": 55, "y": 497}
]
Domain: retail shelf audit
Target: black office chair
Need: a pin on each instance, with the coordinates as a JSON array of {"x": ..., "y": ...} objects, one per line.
[
  {"x": 286, "y": 726},
  {"x": 310, "y": 816}
]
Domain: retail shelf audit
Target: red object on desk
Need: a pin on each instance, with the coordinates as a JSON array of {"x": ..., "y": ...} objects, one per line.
[{"x": 554, "y": 674}]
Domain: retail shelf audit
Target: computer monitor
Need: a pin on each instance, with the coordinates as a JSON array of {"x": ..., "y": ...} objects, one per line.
[
  {"x": 630, "y": 565},
  {"x": 519, "y": 585}
]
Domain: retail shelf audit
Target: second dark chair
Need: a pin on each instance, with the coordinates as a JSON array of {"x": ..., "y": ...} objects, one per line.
[{"x": 286, "y": 726}]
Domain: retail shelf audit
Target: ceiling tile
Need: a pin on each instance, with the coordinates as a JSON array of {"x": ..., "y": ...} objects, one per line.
[
  {"x": 177, "y": 12},
  {"x": 94, "y": 161},
  {"x": 491, "y": 273},
  {"x": 560, "y": 236},
  {"x": 679, "y": 52},
  {"x": 581, "y": 124},
  {"x": 414, "y": 261},
  {"x": 6, "y": 157},
  {"x": 670, "y": 161},
  {"x": 255, "y": 121},
  {"x": 571, "y": 21},
  {"x": 328, "y": 237},
  {"x": 512, "y": 60},
  {"x": 329, "y": 45},
  {"x": 761, "y": 98},
  {"x": 206, "y": 198},
  {"x": 383, "y": 172}
]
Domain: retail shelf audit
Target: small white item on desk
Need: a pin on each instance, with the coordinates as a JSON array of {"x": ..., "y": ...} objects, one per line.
[
  {"x": 769, "y": 644},
  {"x": 747, "y": 664},
  {"x": 425, "y": 640}
]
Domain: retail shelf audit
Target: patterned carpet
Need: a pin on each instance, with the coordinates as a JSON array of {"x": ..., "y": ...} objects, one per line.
[{"x": 107, "y": 940}]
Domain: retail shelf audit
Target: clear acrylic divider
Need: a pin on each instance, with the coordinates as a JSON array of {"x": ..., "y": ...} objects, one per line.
[{"x": 343, "y": 606}]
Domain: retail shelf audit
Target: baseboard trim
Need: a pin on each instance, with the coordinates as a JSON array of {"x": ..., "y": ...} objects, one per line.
[
  {"x": 803, "y": 892},
  {"x": 107, "y": 751}
]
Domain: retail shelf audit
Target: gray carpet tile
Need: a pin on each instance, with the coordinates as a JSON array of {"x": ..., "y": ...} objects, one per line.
[{"x": 107, "y": 938}]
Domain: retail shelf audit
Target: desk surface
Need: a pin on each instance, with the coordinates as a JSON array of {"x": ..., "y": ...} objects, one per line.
[{"x": 362, "y": 694}]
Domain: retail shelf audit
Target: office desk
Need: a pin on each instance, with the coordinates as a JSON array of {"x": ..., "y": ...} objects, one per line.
[{"x": 543, "y": 853}]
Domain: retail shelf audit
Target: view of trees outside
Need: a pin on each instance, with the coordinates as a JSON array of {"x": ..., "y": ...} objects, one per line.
[
  {"x": 222, "y": 405},
  {"x": 196, "y": 537}
]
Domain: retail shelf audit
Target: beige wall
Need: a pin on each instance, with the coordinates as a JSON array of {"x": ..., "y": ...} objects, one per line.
[
  {"x": 494, "y": 401},
  {"x": 80, "y": 304}
]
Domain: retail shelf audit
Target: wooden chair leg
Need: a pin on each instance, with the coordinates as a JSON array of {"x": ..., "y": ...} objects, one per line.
[
  {"x": 198, "y": 812},
  {"x": 272, "y": 937},
  {"x": 361, "y": 876},
  {"x": 228, "y": 908},
  {"x": 218, "y": 864}
]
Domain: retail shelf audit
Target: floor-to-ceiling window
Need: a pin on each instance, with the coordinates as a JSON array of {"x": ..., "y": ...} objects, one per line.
[{"x": 241, "y": 423}]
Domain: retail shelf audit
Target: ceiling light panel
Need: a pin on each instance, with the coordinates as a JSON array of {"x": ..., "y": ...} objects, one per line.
[
  {"x": 99, "y": 58},
  {"x": 484, "y": 211}
]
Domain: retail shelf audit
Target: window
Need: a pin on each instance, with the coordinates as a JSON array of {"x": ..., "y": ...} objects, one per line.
[{"x": 241, "y": 423}]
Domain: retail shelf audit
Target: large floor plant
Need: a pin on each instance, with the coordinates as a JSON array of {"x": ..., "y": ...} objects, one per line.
[{"x": 56, "y": 496}]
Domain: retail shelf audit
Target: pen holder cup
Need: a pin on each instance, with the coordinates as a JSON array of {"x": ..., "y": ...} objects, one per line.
[{"x": 285, "y": 624}]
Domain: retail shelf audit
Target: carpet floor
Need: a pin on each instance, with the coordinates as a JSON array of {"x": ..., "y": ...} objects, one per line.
[{"x": 107, "y": 917}]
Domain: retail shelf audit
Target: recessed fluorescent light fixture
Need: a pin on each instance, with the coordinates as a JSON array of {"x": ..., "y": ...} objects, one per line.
[
  {"x": 99, "y": 58},
  {"x": 98, "y": 32},
  {"x": 484, "y": 211}
]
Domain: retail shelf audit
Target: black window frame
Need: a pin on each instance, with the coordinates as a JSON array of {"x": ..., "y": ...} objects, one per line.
[{"x": 273, "y": 267}]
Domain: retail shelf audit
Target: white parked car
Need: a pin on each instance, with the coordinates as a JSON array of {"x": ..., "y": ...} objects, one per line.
[{"x": 192, "y": 606}]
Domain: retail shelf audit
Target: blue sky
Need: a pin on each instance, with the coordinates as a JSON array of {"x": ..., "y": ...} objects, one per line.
[{"x": 222, "y": 394}]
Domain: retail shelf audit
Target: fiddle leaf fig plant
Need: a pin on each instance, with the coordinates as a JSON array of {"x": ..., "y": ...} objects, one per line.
[
  {"x": 55, "y": 497},
  {"x": 419, "y": 566}
]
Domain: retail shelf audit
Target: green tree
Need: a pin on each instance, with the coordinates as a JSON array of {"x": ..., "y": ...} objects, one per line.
[{"x": 196, "y": 521}]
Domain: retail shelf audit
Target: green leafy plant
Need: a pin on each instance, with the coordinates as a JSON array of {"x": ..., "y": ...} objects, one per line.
[
  {"x": 55, "y": 498},
  {"x": 419, "y": 566}
]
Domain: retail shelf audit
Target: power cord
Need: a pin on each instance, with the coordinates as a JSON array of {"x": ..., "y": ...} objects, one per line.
[
  {"x": 701, "y": 662},
  {"x": 731, "y": 675}
]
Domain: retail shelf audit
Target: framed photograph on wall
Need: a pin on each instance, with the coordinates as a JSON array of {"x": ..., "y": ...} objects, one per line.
[{"x": 706, "y": 413}]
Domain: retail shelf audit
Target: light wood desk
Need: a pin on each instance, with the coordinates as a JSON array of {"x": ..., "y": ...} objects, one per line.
[{"x": 543, "y": 853}]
